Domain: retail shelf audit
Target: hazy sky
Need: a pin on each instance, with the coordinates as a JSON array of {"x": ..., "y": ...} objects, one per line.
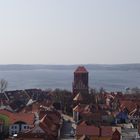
[{"x": 69, "y": 31}]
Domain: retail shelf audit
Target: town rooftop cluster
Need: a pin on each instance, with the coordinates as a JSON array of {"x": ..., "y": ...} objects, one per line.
[{"x": 83, "y": 114}]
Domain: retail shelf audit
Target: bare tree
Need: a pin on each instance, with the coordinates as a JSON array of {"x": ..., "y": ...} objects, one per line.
[{"x": 3, "y": 85}]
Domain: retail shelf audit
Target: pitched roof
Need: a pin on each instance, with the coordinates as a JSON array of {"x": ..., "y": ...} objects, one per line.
[
  {"x": 50, "y": 123},
  {"x": 31, "y": 136},
  {"x": 87, "y": 130},
  {"x": 129, "y": 104},
  {"x": 48, "y": 126},
  {"x": 84, "y": 137},
  {"x": 34, "y": 107},
  {"x": 81, "y": 69},
  {"x": 79, "y": 108},
  {"x": 30, "y": 102},
  {"x": 106, "y": 131},
  {"x": 54, "y": 116},
  {"x": 96, "y": 116},
  {"x": 83, "y": 123},
  {"x": 135, "y": 112},
  {"x": 16, "y": 117},
  {"x": 116, "y": 132},
  {"x": 17, "y": 105},
  {"x": 78, "y": 97}
]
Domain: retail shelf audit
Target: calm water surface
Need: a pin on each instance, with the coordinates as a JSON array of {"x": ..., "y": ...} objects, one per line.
[{"x": 44, "y": 78}]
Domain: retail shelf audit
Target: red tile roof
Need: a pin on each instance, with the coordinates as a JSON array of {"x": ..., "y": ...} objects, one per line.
[
  {"x": 50, "y": 123},
  {"x": 16, "y": 117},
  {"x": 78, "y": 97},
  {"x": 84, "y": 137},
  {"x": 79, "y": 108},
  {"x": 92, "y": 116},
  {"x": 106, "y": 131},
  {"x": 129, "y": 104},
  {"x": 87, "y": 130},
  {"x": 48, "y": 126},
  {"x": 116, "y": 135},
  {"x": 81, "y": 69},
  {"x": 31, "y": 136},
  {"x": 83, "y": 123},
  {"x": 31, "y": 108}
]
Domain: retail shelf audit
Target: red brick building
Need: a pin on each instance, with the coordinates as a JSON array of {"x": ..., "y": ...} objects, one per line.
[{"x": 80, "y": 83}]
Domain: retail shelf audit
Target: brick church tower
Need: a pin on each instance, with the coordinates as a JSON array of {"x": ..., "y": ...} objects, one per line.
[{"x": 80, "y": 84}]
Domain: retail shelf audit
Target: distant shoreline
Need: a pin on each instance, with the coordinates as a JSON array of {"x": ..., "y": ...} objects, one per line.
[
  {"x": 110, "y": 77},
  {"x": 121, "y": 67}
]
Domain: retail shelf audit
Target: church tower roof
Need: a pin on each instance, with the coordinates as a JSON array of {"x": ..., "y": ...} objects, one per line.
[{"x": 81, "y": 69}]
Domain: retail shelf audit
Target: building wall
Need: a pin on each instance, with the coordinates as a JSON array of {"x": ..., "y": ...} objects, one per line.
[
  {"x": 37, "y": 129},
  {"x": 13, "y": 129},
  {"x": 75, "y": 116},
  {"x": 16, "y": 128},
  {"x": 1, "y": 127},
  {"x": 91, "y": 137},
  {"x": 80, "y": 83},
  {"x": 26, "y": 139},
  {"x": 25, "y": 127},
  {"x": 105, "y": 138},
  {"x": 96, "y": 138}
]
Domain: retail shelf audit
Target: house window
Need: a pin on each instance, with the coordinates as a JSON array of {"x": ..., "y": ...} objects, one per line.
[
  {"x": 11, "y": 97},
  {"x": 13, "y": 132}
]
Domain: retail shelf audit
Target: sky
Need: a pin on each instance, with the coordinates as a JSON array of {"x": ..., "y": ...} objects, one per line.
[{"x": 69, "y": 31}]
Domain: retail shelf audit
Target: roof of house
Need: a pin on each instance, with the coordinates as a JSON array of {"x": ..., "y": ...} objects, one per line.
[
  {"x": 34, "y": 107},
  {"x": 16, "y": 94},
  {"x": 135, "y": 112},
  {"x": 106, "y": 131},
  {"x": 16, "y": 117},
  {"x": 83, "y": 123},
  {"x": 84, "y": 137},
  {"x": 78, "y": 97},
  {"x": 79, "y": 108},
  {"x": 81, "y": 69},
  {"x": 53, "y": 115},
  {"x": 116, "y": 132},
  {"x": 17, "y": 105},
  {"x": 48, "y": 126},
  {"x": 35, "y": 136},
  {"x": 32, "y": 136},
  {"x": 129, "y": 104},
  {"x": 50, "y": 123},
  {"x": 87, "y": 130}
]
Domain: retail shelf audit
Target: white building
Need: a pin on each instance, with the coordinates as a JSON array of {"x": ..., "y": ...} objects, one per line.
[
  {"x": 130, "y": 134},
  {"x": 18, "y": 127}
]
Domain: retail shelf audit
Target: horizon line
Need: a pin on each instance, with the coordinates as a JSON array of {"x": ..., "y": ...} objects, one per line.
[{"x": 76, "y": 64}]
